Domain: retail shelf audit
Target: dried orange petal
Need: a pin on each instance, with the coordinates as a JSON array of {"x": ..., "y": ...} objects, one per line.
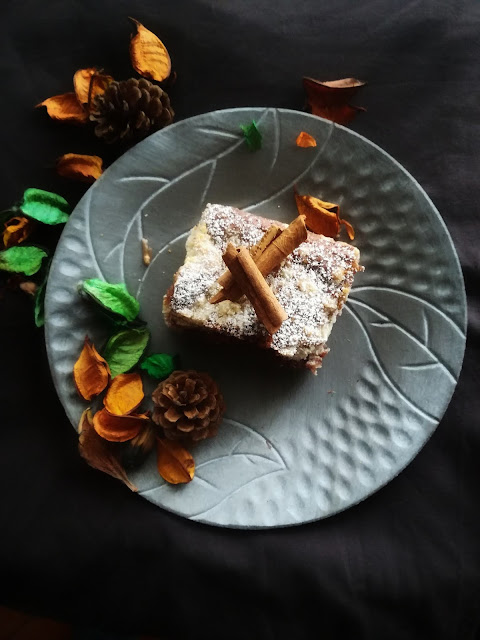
[
  {"x": 330, "y": 99},
  {"x": 17, "y": 230},
  {"x": 98, "y": 83},
  {"x": 304, "y": 139},
  {"x": 118, "y": 428},
  {"x": 174, "y": 463},
  {"x": 80, "y": 167},
  {"x": 124, "y": 394},
  {"x": 91, "y": 372},
  {"x": 81, "y": 83},
  {"x": 65, "y": 107},
  {"x": 318, "y": 218},
  {"x": 149, "y": 55},
  {"x": 99, "y": 453}
]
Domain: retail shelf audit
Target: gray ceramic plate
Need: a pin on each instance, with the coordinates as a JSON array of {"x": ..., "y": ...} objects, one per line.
[{"x": 293, "y": 447}]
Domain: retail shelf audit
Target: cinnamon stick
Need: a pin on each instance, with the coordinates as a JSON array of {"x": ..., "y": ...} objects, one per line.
[
  {"x": 254, "y": 286},
  {"x": 226, "y": 279},
  {"x": 273, "y": 256}
]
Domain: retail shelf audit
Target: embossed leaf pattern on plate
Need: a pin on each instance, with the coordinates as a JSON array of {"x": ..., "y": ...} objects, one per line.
[
  {"x": 423, "y": 338},
  {"x": 223, "y": 466}
]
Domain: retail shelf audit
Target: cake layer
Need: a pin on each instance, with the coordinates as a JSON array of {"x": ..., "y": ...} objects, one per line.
[{"x": 311, "y": 285}]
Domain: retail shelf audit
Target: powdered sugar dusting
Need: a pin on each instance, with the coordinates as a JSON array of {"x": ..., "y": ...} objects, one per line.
[{"x": 311, "y": 284}]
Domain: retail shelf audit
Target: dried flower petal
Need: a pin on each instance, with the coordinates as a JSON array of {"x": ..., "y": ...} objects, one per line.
[
  {"x": 137, "y": 449},
  {"x": 98, "y": 84},
  {"x": 29, "y": 287},
  {"x": 175, "y": 464},
  {"x": 81, "y": 83},
  {"x": 322, "y": 217},
  {"x": 65, "y": 107},
  {"x": 118, "y": 428},
  {"x": 91, "y": 372},
  {"x": 80, "y": 167},
  {"x": 98, "y": 453},
  {"x": 149, "y": 55},
  {"x": 304, "y": 139},
  {"x": 330, "y": 99},
  {"x": 17, "y": 230},
  {"x": 124, "y": 394}
]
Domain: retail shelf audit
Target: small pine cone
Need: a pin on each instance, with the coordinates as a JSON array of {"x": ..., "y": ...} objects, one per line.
[
  {"x": 188, "y": 405},
  {"x": 130, "y": 110}
]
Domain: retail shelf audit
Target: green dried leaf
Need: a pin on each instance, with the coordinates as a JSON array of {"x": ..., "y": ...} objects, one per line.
[
  {"x": 124, "y": 349},
  {"x": 27, "y": 260},
  {"x": 39, "y": 311},
  {"x": 45, "y": 206},
  {"x": 112, "y": 297},
  {"x": 252, "y": 135},
  {"x": 158, "y": 365}
]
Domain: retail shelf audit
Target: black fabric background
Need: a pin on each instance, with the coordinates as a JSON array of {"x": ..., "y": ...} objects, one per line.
[{"x": 76, "y": 544}]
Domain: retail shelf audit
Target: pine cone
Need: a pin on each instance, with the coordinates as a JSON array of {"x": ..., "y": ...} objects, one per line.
[
  {"x": 130, "y": 110},
  {"x": 188, "y": 405}
]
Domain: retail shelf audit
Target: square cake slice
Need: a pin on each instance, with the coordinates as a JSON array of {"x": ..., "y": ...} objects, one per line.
[{"x": 312, "y": 285}]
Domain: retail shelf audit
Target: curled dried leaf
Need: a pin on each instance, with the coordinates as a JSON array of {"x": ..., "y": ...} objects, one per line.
[
  {"x": 174, "y": 463},
  {"x": 98, "y": 453},
  {"x": 124, "y": 394},
  {"x": 137, "y": 449},
  {"x": 146, "y": 252},
  {"x": 119, "y": 428},
  {"x": 91, "y": 372},
  {"x": 81, "y": 83},
  {"x": 16, "y": 231},
  {"x": 80, "y": 167},
  {"x": 65, "y": 107},
  {"x": 98, "y": 84},
  {"x": 331, "y": 99},
  {"x": 304, "y": 139},
  {"x": 322, "y": 217},
  {"x": 149, "y": 55}
]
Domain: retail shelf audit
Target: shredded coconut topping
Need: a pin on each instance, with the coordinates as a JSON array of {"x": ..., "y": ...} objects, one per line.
[{"x": 312, "y": 283}]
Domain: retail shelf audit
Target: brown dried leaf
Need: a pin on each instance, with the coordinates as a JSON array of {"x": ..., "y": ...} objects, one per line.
[
  {"x": 124, "y": 394},
  {"x": 98, "y": 453},
  {"x": 65, "y": 107},
  {"x": 98, "y": 83},
  {"x": 304, "y": 139},
  {"x": 17, "y": 230},
  {"x": 29, "y": 287},
  {"x": 80, "y": 167},
  {"x": 175, "y": 464},
  {"x": 146, "y": 252},
  {"x": 330, "y": 99},
  {"x": 91, "y": 372},
  {"x": 322, "y": 217},
  {"x": 149, "y": 55},
  {"x": 81, "y": 83},
  {"x": 119, "y": 428}
]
